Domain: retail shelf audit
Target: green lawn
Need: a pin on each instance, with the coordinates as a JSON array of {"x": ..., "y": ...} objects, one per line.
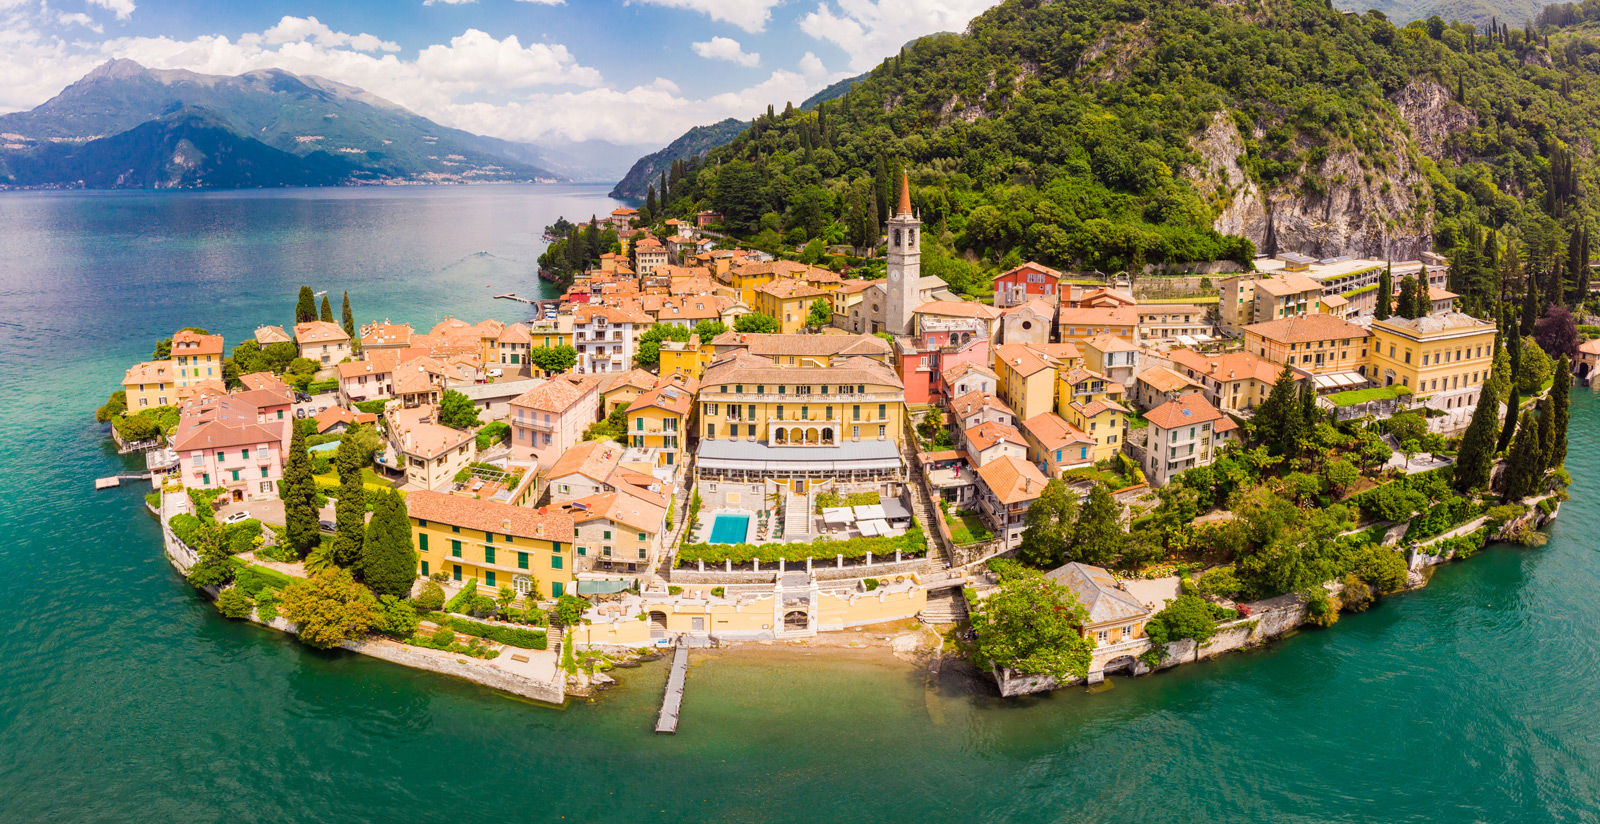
[
  {"x": 966, "y": 527},
  {"x": 369, "y": 479},
  {"x": 1379, "y": 393}
]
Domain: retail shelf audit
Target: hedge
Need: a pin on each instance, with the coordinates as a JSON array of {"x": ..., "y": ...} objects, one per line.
[
  {"x": 253, "y": 578},
  {"x": 374, "y": 407},
  {"x": 318, "y": 387},
  {"x": 910, "y": 544},
  {"x": 510, "y": 636}
]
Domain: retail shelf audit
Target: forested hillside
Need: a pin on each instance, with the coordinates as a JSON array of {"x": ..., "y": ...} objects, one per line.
[{"x": 1110, "y": 134}]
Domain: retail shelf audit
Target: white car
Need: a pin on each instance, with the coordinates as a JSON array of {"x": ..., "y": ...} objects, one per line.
[
  {"x": 495, "y": 373},
  {"x": 237, "y": 517}
]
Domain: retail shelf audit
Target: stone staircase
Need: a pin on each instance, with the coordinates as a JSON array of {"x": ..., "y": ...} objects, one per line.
[
  {"x": 923, "y": 514},
  {"x": 796, "y": 516},
  {"x": 946, "y": 608}
]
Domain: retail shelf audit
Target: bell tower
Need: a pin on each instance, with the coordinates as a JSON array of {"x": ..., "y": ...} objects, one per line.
[{"x": 905, "y": 264}]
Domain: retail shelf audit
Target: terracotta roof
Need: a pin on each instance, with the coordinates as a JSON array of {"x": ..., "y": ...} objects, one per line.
[
  {"x": 787, "y": 289},
  {"x": 1435, "y": 293},
  {"x": 1035, "y": 306},
  {"x": 957, "y": 309},
  {"x": 1184, "y": 410},
  {"x": 1232, "y": 366},
  {"x": 335, "y": 415},
  {"x": 387, "y": 334},
  {"x": 976, "y": 401},
  {"x": 545, "y": 523},
  {"x": 1287, "y": 283},
  {"x": 1303, "y": 328},
  {"x": 1098, "y": 592},
  {"x": 194, "y": 343},
  {"x": 376, "y": 362},
  {"x": 148, "y": 372},
  {"x": 1052, "y": 432},
  {"x": 1109, "y": 343},
  {"x": 592, "y": 459},
  {"x": 429, "y": 440},
  {"x": 590, "y": 312},
  {"x": 1434, "y": 324},
  {"x": 1590, "y": 347},
  {"x": 1096, "y": 407},
  {"x": 554, "y": 395},
  {"x": 671, "y": 398},
  {"x": 989, "y": 433},
  {"x": 777, "y": 345},
  {"x": 1033, "y": 267},
  {"x": 621, "y": 508},
  {"x": 1012, "y": 480},
  {"x": 954, "y": 373},
  {"x": 225, "y": 421},
  {"x": 267, "y": 335},
  {"x": 1162, "y": 379},
  {"x": 1021, "y": 358},
  {"x": 641, "y": 379},
  {"x": 1093, "y": 316},
  {"x": 769, "y": 267},
  {"x": 317, "y": 331},
  {"x": 1103, "y": 294},
  {"x": 745, "y": 368},
  {"x": 263, "y": 380},
  {"x": 905, "y": 193}
]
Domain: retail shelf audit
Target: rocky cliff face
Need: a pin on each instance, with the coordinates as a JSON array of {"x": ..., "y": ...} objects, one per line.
[
  {"x": 1338, "y": 207},
  {"x": 1432, "y": 115}
]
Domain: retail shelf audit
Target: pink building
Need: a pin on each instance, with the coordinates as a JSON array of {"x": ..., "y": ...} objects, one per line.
[
  {"x": 550, "y": 418},
  {"x": 235, "y": 442}
]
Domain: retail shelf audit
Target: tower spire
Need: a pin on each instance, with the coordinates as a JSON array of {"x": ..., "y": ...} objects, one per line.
[{"x": 905, "y": 194}]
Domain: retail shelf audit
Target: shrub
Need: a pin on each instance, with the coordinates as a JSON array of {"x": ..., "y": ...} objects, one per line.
[
  {"x": 241, "y": 537},
  {"x": 318, "y": 387},
  {"x": 233, "y": 603},
  {"x": 910, "y": 544},
  {"x": 510, "y": 636},
  {"x": 431, "y": 598},
  {"x": 373, "y": 407},
  {"x": 1320, "y": 609},
  {"x": 443, "y": 636},
  {"x": 492, "y": 433},
  {"x": 1382, "y": 568},
  {"x": 469, "y": 602},
  {"x": 395, "y": 617},
  {"x": 870, "y": 583},
  {"x": 717, "y": 592},
  {"x": 1186, "y": 616},
  {"x": 267, "y": 605},
  {"x": 1220, "y": 582},
  {"x": 671, "y": 590}
]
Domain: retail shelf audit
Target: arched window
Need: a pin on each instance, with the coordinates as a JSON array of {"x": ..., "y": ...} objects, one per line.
[{"x": 897, "y": 238}]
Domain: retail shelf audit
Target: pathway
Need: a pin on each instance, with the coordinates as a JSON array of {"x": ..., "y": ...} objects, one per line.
[{"x": 667, "y": 721}]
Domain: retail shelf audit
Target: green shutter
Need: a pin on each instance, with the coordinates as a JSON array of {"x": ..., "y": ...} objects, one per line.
[
  {"x": 488, "y": 554},
  {"x": 488, "y": 577},
  {"x": 422, "y": 543},
  {"x": 455, "y": 549},
  {"x": 522, "y": 560},
  {"x": 555, "y": 561}
]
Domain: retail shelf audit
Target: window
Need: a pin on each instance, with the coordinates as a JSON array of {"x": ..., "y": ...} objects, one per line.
[
  {"x": 522, "y": 560},
  {"x": 555, "y": 563},
  {"x": 641, "y": 536},
  {"x": 556, "y": 589},
  {"x": 422, "y": 538},
  {"x": 455, "y": 549},
  {"x": 882, "y": 431},
  {"x": 263, "y": 472},
  {"x": 424, "y": 569},
  {"x": 638, "y": 424},
  {"x": 488, "y": 577},
  {"x": 246, "y": 454},
  {"x": 488, "y": 554},
  {"x": 455, "y": 572}
]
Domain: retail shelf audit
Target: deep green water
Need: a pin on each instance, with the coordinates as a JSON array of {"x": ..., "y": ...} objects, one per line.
[{"x": 123, "y": 697}]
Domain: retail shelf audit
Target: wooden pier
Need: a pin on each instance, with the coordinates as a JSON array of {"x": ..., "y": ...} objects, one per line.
[
  {"x": 510, "y": 296},
  {"x": 116, "y": 480},
  {"x": 667, "y": 722}
]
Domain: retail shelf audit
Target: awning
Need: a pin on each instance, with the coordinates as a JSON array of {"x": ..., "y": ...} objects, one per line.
[
  {"x": 1339, "y": 380},
  {"x": 869, "y": 512},
  {"x": 837, "y": 515},
  {"x": 604, "y": 587}
]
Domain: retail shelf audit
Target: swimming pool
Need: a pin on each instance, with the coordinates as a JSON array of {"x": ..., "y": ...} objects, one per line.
[{"x": 730, "y": 528}]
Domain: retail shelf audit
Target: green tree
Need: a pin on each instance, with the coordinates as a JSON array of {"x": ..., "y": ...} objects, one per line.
[
  {"x": 327, "y": 311},
  {"x": 820, "y": 314},
  {"x": 1048, "y": 526},
  {"x": 647, "y": 352},
  {"x": 234, "y": 603},
  {"x": 1509, "y": 428},
  {"x": 1186, "y": 616},
  {"x": 457, "y": 411},
  {"x": 1560, "y": 413},
  {"x": 1278, "y": 419},
  {"x": 305, "y": 308},
  {"x": 1523, "y": 468},
  {"x": 396, "y": 617},
  {"x": 1097, "y": 535},
  {"x": 1475, "y": 458},
  {"x": 553, "y": 359},
  {"x": 116, "y": 405},
  {"x": 1385, "y": 294},
  {"x": 350, "y": 510},
  {"x": 431, "y": 598},
  {"x": 347, "y": 319},
  {"x": 298, "y": 490},
  {"x": 1341, "y": 475},
  {"x": 1033, "y": 625},
  {"x": 1534, "y": 369},
  {"x": 568, "y": 611},
  {"x": 329, "y": 608},
  {"x": 755, "y": 322},
  {"x": 738, "y": 196},
  {"x": 388, "y": 560},
  {"x": 708, "y": 329}
]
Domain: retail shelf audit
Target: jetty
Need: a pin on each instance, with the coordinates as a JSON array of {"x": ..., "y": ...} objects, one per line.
[
  {"x": 116, "y": 480},
  {"x": 513, "y": 296},
  {"x": 667, "y": 721}
]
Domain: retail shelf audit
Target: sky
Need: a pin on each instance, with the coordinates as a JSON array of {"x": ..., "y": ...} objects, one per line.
[{"x": 625, "y": 71}]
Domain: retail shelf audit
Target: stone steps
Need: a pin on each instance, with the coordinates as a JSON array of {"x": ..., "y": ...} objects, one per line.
[{"x": 945, "y": 609}]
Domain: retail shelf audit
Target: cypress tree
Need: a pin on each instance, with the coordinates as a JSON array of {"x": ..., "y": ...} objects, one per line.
[
  {"x": 1385, "y": 294},
  {"x": 1513, "y": 401},
  {"x": 1547, "y": 434},
  {"x": 1097, "y": 537},
  {"x": 1308, "y": 418},
  {"x": 347, "y": 319},
  {"x": 351, "y": 509},
  {"x": 327, "y": 311},
  {"x": 1476, "y": 457},
  {"x": 1277, "y": 419},
  {"x": 388, "y": 560},
  {"x": 299, "y": 494},
  {"x": 305, "y": 309},
  {"x": 1407, "y": 307},
  {"x": 1530, "y": 307},
  {"x": 1560, "y": 413},
  {"x": 1522, "y": 472}
]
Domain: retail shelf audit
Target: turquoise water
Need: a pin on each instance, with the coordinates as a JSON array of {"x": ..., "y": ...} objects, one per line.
[
  {"x": 730, "y": 528},
  {"x": 123, "y": 697}
]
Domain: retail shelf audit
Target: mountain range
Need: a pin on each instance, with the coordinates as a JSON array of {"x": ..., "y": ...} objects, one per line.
[{"x": 127, "y": 125}]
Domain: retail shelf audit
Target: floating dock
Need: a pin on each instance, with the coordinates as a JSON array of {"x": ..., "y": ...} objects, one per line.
[
  {"x": 116, "y": 480},
  {"x": 667, "y": 722}
]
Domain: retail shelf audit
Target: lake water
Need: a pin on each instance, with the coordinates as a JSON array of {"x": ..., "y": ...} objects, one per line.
[{"x": 124, "y": 697}]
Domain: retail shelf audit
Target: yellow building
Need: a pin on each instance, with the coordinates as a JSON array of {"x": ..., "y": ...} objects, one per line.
[
  {"x": 1319, "y": 344},
  {"x": 1026, "y": 379},
  {"x": 685, "y": 358},
  {"x": 788, "y": 302},
  {"x": 493, "y": 543},
  {"x": 1094, "y": 404},
  {"x": 617, "y": 532},
  {"x": 1075, "y": 325},
  {"x": 802, "y": 350},
  {"x": 659, "y": 420},
  {"x": 196, "y": 358},
  {"x": 1444, "y": 358},
  {"x": 747, "y": 277},
  {"x": 149, "y": 385},
  {"x": 1234, "y": 381},
  {"x": 551, "y": 333},
  {"x": 1285, "y": 295},
  {"x": 747, "y": 398}
]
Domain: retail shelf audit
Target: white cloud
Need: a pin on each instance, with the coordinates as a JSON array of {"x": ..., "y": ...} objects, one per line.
[
  {"x": 78, "y": 19},
  {"x": 477, "y": 61},
  {"x": 811, "y": 65},
  {"x": 121, "y": 8},
  {"x": 750, "y": 15},
  {"x": 870, "y": 30},
  {"x": 726, "y": 48},
  {"x": 303, "y": 29}
]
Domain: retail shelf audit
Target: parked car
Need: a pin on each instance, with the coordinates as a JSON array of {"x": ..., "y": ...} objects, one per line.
[
  {"x": 236, "y": 517},
  {"x": 301, "y": 397},
  {"x": 328, "y": 526},
  {"x": 495, "y": 373},
  {"x": 299, "y": 413}
]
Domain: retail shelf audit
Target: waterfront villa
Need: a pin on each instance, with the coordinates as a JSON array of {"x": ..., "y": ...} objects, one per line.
[
  {"x": 1114, "y": 615},
  {"x": 1444, "y": 358},
  {"x": 196, "y": 358},
  {"x": 149, "y": 385},
  {"x": 617, "y": 532},
  {"x": 1183, "y": 433},
  {"x": 495, "y": 544},
  {"x": 235, "y": 442},
  {"x": 325, "y": 343},
  {"x": 1007, "y": 486}
]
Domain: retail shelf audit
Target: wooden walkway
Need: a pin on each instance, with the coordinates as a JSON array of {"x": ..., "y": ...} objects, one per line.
[{"x": 667, "y": 722}]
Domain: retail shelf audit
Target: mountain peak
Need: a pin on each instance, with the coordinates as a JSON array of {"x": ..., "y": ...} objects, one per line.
[{"x": 117, "y": 69}]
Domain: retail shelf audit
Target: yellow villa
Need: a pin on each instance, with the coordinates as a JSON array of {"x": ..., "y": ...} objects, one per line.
[
  {"x": 149, "y": 385},
  {"x": 1444, "y": 358},
  {"x": 788, "y": 302},
  {"x": 659, "y": 420},
  {"x": 1319, "y": 344},
  {"x": 492, "y": 543},
  {"x": 1093, "y": 404},
  {"x": 196, "y": 358},
  {"x": 746, "y": 277},
  {"x": 1026, "y": 379},
  {"x": 689, "y": 358}
]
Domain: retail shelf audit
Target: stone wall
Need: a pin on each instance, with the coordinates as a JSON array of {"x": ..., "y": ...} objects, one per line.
[
  {"x": 691, "y": 575},
  {"x": 452, "y": 665}
]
